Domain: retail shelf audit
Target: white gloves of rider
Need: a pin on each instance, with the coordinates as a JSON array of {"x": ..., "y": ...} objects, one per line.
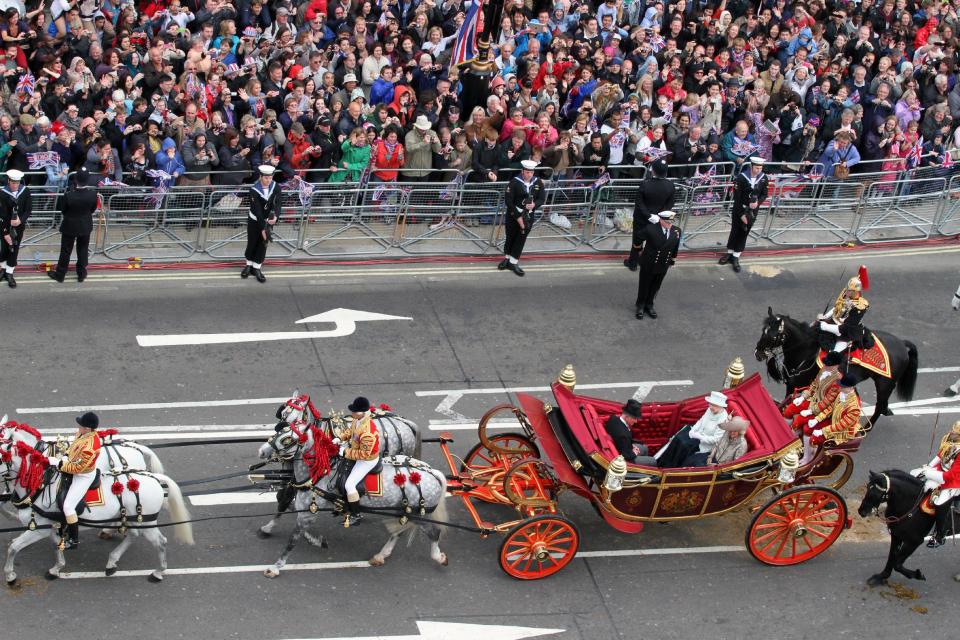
[
  {"x": 830, "y": 328},
  {"x": 798, "y": 401},
  {"x": 812, "y": 422},
  {"x": 806, "y": 412},
  {"x": 337, "y": 441},
  {"x": 932, "y": 475},
  {"x": 54, "y": 461},
  {"x": 825, "y": 316},
  {"x": 343, "y": 449},
  {"x": 818, "y": 432}
]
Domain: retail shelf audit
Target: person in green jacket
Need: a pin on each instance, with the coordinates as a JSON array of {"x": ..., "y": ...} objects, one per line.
[{"x": 356, "y": 157}]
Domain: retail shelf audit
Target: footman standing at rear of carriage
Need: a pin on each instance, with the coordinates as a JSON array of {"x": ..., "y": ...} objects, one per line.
[
  {"x": 661, "y": 242},
  {"x": 525, "y": 196},
  {"x": 264, "y": 212},
  {"x": 749, "y": 191},
  {"x": 15, "y": 208}
]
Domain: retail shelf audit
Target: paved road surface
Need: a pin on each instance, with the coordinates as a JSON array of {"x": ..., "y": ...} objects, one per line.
[{"x": 474, "y": 331}]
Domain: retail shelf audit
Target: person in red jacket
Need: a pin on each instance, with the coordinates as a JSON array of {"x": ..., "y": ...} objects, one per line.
[
  {"x": 388, "y": 156},
  {"x": 300, "y": 151}
]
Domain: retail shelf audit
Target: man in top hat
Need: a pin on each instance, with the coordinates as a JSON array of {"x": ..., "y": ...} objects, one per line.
[
  {"x": 525, "y": 195},
  {"x": 654, "y": 195},
  {"x": 475, "y": 79},
  {"x": 750, "y": 189},
  {"x": 699, "y": 438},
  {"x": 264, "y": 213},
  {"x": 839, "y": 423},
  {"x": 80, "y": 462},
  {"x": 361, "y": 445},
  {"x": 619, "y": 429},
  {"x": 942, "y": 477},
  {"x": 15, "y": 208},
  {"x": 661, "y": 242},
  {"x": 77, "y": 208}
]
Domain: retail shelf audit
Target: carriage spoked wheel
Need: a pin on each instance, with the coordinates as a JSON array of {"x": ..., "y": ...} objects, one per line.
[
  {"x": 833, "y": 470},
  {"x": 796, "y": 525},
  {"x": 499, "y": 413},
  {"x": 530, "y": 484},
  {"x": 481, "y": 460},
  {"x": 539, "y": 547}
]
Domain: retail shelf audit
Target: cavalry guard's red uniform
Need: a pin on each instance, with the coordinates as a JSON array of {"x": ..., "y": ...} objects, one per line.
[{"x": 942, "y": 478}]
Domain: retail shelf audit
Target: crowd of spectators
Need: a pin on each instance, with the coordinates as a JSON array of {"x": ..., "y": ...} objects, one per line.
[{"x": 207, "y": 90}]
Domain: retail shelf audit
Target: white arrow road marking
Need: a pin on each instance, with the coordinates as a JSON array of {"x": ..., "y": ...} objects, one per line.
[
  {"x": 461, "y": 631},
  {"x": 345, "y": 321}
]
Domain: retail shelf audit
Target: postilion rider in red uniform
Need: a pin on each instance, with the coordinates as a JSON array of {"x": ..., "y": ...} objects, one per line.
[
  {"x": 817, "y": 399},
  {"x": 80, "y": 461},
  {"x": 837, "y": 424},
  {"x": 942, "y": 478},
  {"x": 361, "y": 444}
]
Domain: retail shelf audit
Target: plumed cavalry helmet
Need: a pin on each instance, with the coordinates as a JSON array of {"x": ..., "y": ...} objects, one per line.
[
  {"x": 854, "y": 284},
  {"x": 859, "y": 282}
]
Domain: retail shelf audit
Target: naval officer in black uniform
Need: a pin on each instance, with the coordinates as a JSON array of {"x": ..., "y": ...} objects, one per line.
[
  {"x": 661, "y": 242},
  {"x": 655, "y": 194},
  {"x": 15, "y": 208},
  {"x": 77, "y": 208},
  {"x": 525, "y": 196},
  {"x": 750, "y": 189},
  {"x": 264, "y": 212}
]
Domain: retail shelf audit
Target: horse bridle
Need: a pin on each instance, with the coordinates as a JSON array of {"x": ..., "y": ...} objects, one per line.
[{"x": 885, "y": 495}]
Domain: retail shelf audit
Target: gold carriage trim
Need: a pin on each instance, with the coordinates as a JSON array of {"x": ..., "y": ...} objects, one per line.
[{"x": 874, "y": 359}]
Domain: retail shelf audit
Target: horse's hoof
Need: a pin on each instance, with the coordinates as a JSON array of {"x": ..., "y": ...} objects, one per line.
[
  {"x": 377, "y": 561},
  {"x": 918, "y": 575},
  {"x": 263, "y": 535},
  {"x": 49, "y": 575},
  {"x": 13, "y": 583},
  {"x": 105, "y": 535},
  {"x": 110, "y": 571},
  {"x": 876, "y": 581},
  {"x": 154, "y": 578},
  {"x": 444, "y": 561},
  {"x": 323, "y": 543},
  {"x": 888, "y": 412},
  {"x": 271, "y": 573}
]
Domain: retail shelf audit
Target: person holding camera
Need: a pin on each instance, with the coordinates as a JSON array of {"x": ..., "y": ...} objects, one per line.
[
  {"x": 15, "y": 208},
  {"x": 750, "y": 189},
  {"x": 263, "y": 215},
  {"x": 525, "y": 195}
]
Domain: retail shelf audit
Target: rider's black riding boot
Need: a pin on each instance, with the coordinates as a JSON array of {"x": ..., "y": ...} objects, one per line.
[
  {"x": 940, "y": 528},
  {"x": 72, "y": 540},
  {"x": 355, "y": 516}
]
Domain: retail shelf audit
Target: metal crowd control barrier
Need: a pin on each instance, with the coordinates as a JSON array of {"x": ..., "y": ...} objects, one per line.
[
  {"x": 949, "y": 223},
  {"x": 706, "y": 220},
  {"x": 886, "y": 216},
  {"x": 563, "y": 221},
  {"x": 801, "y": 216},
  {"x": 462, "y": 219},
  {"x": 153, "y": 225},
  {"x": 611, "y": 227},
  {"x": 225, "y": 225},
  {"x": 41, "y": 240},
  {"x": 352, "y": 219}
]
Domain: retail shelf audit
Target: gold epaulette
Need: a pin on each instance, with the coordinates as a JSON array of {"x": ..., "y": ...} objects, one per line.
[{"x": 860, "y": 303}]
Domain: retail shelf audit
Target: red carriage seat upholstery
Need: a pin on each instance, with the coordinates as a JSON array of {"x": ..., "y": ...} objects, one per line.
[{"x": 599, "y": 431}]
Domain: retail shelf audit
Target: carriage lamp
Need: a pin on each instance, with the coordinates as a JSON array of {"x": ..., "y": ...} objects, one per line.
[
  {"x": 616, "y": 472},
  {"x": 789, "y": 464},
  {"x": 568, "y": 377},
  {"x": 734, "y": 374}
]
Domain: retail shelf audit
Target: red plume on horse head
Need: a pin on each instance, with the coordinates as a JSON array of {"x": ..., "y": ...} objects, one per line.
[{"x": 862, "y": 274}]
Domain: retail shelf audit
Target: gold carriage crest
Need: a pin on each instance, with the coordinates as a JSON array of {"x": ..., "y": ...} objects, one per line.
[{"x": 682, "y": 501}]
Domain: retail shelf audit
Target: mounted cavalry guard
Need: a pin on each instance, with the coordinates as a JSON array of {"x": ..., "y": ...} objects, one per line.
[
  {"x": 842, "y": 327},
  {"x": 818, "y": 398},
  {"x": 942, "y": 477},
  {"x": 361, "y": 445},
  {"x": 263, "y": 215},
  {"x": 15, "y": 208},
  {"x": 525, "y": 195},
  {"x": 80, "y": 462},
  {"x": 838, "y": 423},
  {"x": 750, "y": 189}
]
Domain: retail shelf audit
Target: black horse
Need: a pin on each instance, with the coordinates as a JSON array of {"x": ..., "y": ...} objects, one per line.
[
  {"x": 909, "y": 525},
  {"x": 790, "y": 349}
]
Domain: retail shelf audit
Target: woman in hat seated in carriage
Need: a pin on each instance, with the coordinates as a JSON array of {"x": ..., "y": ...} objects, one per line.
[{"x": 700, "y": 438}]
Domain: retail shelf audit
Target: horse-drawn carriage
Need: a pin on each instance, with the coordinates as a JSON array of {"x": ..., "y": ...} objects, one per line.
[{"x": 564, "y": 447}]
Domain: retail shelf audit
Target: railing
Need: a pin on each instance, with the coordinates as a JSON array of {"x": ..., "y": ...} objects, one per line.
[{"x": 370, "y": 218}]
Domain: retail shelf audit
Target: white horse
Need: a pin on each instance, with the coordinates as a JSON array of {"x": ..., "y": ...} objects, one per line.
[
  {"x": 400, "y": 437},
  {"x": 128, "y": 498},
  {"x": 404, "y": 482}
]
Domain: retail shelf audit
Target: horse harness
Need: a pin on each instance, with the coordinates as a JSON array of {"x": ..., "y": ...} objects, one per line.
[
  {"x": 776, "y": 353},
  {"x": 892, "y": 520}
]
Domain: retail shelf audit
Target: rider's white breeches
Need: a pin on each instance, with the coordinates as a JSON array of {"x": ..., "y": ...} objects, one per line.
[
  {"x": 840, "y": 345},
  {"x": 360, "y": 469},
  {"x": 81, "y": 482}
]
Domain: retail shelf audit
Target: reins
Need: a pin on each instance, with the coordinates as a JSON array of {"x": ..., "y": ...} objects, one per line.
[{"x": 890, "y": 520}]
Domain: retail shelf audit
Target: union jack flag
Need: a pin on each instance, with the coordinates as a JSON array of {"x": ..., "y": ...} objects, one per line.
[
  {"x": 744, "y": 148},
  {"x": 855, "y": 96},
  {"x": 699, "y": 179},
  {"x": 915, "y": 153},
  {"x": 451, "y": 189},
  {"x": 602, "y": 180},
  {"x": 657, "y": 42},
  {"x": 947, "y": 159},
  {"x": 465, "y": 47},
  {"x": 26, "y": 84},
  {"x": 654, "y": 153}
]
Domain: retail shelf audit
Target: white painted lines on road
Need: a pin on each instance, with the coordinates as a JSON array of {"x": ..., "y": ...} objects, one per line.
[
  {"x": 938, "y": 369},
  {"x": 460, "y": 631},
  {"x": 233, "y": 497},
  {"x": 580, "y": 387},
  {"x": 344, "y": 321},
  {"x": 202, "y": 571},
  {"x": 155, "y": 405}
]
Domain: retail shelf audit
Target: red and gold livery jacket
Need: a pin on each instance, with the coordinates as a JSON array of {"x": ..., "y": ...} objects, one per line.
[
  {"x": 82, "y": 455},
  {"x": 824, "y": 395},
  {"x": 364, "y": 440},
  {"x": 845, "y": 422},
  {"x": 951, "y": 474}
]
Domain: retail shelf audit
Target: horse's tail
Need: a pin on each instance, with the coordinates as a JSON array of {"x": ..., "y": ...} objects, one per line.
[
  {"x": 908, "y": 381},
  {"x": 153, "y": 462},
  {"x": 183, "y": 531}
]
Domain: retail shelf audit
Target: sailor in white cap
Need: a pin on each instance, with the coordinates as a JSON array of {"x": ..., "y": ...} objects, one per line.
[
  {"x": 15, "y": 207},
  {"x": 264, "y": 212},
  {"x": 525, "y": 195},
  {"x": 661, "y": 242},
  {"x": 750, "y": 189}
]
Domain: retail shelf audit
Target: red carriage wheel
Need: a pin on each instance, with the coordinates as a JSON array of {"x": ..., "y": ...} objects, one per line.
[
  {"x": 796, "y": 525},
  {"x": 539, "y": 547},
  {"x": 531, "y": 484},
  {"x": 518, "y": 446}
]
